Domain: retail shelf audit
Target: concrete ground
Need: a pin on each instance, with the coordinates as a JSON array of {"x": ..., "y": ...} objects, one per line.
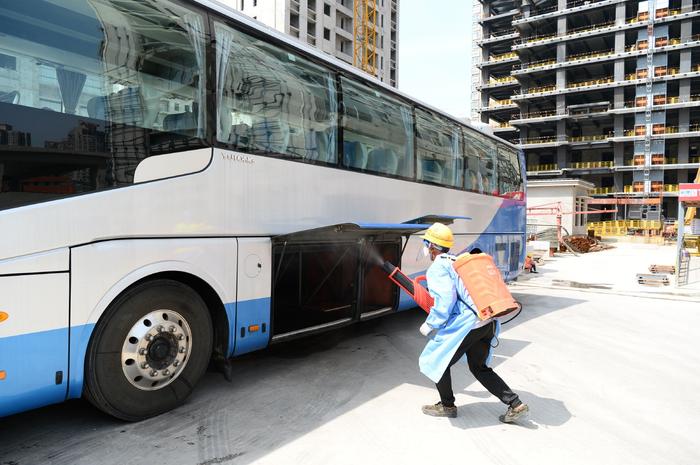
[{"x": 610, "y": 378}]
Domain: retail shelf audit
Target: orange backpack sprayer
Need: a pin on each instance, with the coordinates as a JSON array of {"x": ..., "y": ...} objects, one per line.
[
  {"x": 485, "y": 285},
  {"x": 481, "y": 278}
]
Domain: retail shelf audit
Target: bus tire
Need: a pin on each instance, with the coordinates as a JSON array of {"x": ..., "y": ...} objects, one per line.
[{"x": 148, "y": 351}]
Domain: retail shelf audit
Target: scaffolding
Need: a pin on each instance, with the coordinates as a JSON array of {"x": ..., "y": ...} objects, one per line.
[{"x": 365, "y": 31}]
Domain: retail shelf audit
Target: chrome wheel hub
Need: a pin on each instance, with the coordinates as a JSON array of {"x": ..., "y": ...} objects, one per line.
[{"x": 156, "y": 349}]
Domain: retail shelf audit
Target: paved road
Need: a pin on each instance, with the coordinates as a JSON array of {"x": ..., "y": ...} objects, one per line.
[{"x": 610, "y": 380}]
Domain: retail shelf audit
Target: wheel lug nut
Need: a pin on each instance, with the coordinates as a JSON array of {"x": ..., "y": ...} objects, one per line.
[
  {"x": 166, "y": 372},
  {"x": 171, "y": 329},
  {"x": 180, "y": 337},
  {"x": 160, "y": 328},
  {"x": 142, "y": 351},
  {"x": 144, "y": 365},
  {"x": 182, "y": 350},
  {"x": 176, "y": 363},
  {"x": 154, "y": 373},
  {"x": 148, "y": 337}
]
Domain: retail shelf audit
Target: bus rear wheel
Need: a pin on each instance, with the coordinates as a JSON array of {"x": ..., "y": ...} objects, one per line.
[{"x": 148, "y": 351}]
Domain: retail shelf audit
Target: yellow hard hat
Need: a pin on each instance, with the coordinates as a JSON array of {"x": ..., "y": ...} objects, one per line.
[{"x": 439, "y": 234}]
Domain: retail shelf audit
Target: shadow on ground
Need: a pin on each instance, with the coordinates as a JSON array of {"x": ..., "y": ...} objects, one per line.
[{"x": 277, "y": 396}]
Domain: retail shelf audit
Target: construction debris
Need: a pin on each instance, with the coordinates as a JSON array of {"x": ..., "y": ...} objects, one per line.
[
  {"x": 585, "y": 244},
  {"x": 656, "y": 269},
  {"x": 653, "y": 279}
]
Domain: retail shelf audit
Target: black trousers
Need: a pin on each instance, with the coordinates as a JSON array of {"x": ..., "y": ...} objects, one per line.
[{"x": 476, "y": 345}]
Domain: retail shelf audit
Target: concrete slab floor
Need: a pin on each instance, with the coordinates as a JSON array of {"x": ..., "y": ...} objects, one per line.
[
  {"x": 613, "y": 269},
  {"x": 610, "y": 379}
]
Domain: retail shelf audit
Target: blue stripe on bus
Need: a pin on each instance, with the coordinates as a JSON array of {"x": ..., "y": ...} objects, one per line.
[
  {"x": 31, "y": 362},
  {"x": 79, "y": 340},
  {"x": 248, "y": 313}
]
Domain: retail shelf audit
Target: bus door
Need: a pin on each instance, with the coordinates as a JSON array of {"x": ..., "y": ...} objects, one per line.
[{"x": 330, "y": 277}]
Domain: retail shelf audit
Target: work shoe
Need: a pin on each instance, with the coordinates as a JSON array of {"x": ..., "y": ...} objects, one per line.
[
  {"x": 439, "y": 410},
  {"x": 513, "y": 413}
]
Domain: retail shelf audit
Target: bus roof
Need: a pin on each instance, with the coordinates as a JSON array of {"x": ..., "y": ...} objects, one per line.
[{"x": 236, "y": 15}]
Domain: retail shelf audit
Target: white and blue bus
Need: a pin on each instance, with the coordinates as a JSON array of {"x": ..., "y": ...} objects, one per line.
[{"x": 179, "y": 183}]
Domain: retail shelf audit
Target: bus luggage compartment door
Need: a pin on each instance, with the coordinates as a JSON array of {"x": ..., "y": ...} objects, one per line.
[
  {"x": 319, "y": 286},
  {"x": 33, "y": 341}
]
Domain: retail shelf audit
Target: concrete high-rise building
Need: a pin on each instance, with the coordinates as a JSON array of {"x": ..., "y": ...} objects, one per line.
[
  {"x": 603, "y": 90},
  {"x": 329, "y": 26}
]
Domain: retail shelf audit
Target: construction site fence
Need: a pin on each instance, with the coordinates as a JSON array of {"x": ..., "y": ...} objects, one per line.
[{"x": 625, "y": 227}]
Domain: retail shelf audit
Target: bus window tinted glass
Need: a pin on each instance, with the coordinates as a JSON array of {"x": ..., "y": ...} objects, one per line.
[
  {"x": 98, "y": 86},
  {"x": 272, "y": 101},
  {"x": 510, "y": 182},
  {"x": 439, "y": 149},
  {"x": 377, "y": 131},
  {"x": 480, "y": 173}
]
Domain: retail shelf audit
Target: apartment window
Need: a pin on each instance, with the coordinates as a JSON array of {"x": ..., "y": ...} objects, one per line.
[
  {"x": 242, "y": 4},
  {"x": 8, "y": 62},
  {"x": 255, "y": 2},
  {"x": 326, "y": 33},
  {"x": 326, "y": 9}
]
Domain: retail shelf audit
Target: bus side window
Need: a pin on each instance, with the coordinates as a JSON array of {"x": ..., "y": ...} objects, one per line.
[
  {"x": 481, "y": 160},
  {"x": 510, "y": 177},
  {"x": 439, "y": 149},
  {"x": 377, "y": 131},
  {"x": 273, "y": 102},
  {"x": 96, "y": 86}
]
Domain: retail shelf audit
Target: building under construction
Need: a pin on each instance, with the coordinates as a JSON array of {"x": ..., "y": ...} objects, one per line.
[
  {"x": 363, "y": 33},
  {"x": 607, "y": 91}
]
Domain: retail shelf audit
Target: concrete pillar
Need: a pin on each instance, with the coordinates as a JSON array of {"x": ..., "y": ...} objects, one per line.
[
  {"x": 620, "y": 14},
  {"x": 619, "y": 127},
  {"x": 683, "y": 120},
  {"x": 618, "y": 96},
  {"x": 563, "y": 157},
  {"x": 561, "y": 104},
  {"x": 683, "y": 152}
]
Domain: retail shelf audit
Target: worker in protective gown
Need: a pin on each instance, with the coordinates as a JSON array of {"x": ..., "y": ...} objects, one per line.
[{"x": 454, "y": 331}]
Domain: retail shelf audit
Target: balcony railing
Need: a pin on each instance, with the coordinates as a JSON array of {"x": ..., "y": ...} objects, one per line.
[
  {"x": 502, "y": 80},
  {"x": 538, "y": 140},
  {"x": 500, "y": 103},
  {"x": 537, "y": 114},
  {"x": 535, "y": 38},
  {"x": 591, "y": 82},
  {"x": 502, "y": 126},
  {"x": 603, "y": 190},
  {"x": 543, "y": 167},
  {"x": 592, "y": 164},
  {"x": 538, "y": 90},
  {"x": 593, "y": 27},
  {"x": 503, "y": 57},
  {"x": 588, "y": 55},
  {"x": 591, "y": 138}
]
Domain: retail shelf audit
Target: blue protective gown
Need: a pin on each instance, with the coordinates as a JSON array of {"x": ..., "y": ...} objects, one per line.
[{"x": 451, "y": 318}]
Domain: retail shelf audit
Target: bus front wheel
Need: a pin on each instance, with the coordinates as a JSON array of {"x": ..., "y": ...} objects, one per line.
[{"x": 148, "y": 351}]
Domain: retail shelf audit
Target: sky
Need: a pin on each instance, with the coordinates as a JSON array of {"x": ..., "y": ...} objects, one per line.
[{"x": 435, "y": 50}]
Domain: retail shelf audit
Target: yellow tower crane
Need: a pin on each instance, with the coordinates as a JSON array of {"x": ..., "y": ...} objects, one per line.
[{"x": 364, "y": 54}]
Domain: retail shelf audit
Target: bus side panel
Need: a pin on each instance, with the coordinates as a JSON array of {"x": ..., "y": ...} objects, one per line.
[
  {"x": 101, "y": 271},
  {"x": 33, "y": 341},
  {"x": 253, "y": 303}
]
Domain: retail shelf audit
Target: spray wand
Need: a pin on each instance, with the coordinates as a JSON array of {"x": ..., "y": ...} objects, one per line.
[{"x": 413, "y": 287}]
